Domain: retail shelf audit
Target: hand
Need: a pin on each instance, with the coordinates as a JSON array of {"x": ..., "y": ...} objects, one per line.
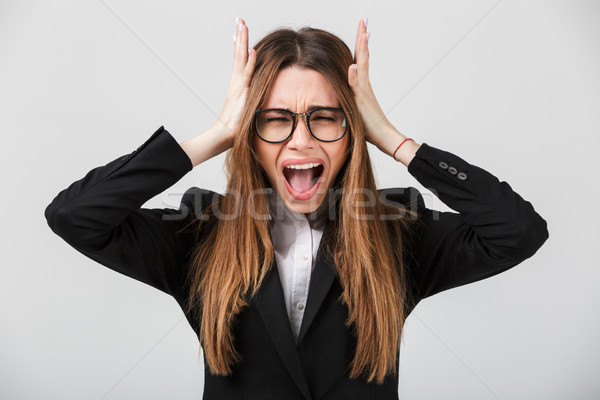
[
  {"x": 376, "y": 123},
  {"x": 243, "y": 68}
]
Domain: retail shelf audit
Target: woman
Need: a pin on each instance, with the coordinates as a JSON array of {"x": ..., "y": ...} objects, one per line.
[{"x": 275, "y": 317}]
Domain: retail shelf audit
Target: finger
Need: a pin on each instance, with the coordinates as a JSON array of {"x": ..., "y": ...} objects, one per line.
[
  {"x": 236, "y": 39},
  {"x": 362, "y": 57},
  {"x": 249, "y": 70},
  {"x": 237, "y": 20},
  {"x": 362, "y": 28},
  {"x": 238, "y": 58},
  {"x": 242, "y": 46},
  {"x": 244, "y": 41}
]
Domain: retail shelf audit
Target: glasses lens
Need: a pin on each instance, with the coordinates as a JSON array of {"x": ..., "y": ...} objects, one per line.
[
  {"x": 327, "y": 124},
  {"x": 276, "y": 125}
]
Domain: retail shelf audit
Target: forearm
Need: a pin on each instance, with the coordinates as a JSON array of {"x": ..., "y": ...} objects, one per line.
[
  {"x": 89, "y": 208},
  {"x": 494, "y": 229},
  {"x": 501, "y": 226},
  {"x": 101, "y": 214}
]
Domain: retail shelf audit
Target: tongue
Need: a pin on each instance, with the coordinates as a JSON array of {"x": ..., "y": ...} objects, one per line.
[{"x": 301, "y": 179}]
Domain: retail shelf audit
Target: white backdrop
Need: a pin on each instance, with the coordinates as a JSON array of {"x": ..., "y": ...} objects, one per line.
[{"x": 510, "y": 86}]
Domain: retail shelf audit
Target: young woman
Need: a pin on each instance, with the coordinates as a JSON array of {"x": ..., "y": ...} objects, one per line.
[{"x": 299, "y": 279}]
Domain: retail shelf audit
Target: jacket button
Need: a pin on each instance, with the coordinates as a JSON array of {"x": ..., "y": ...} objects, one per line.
[
  {"x": 442, "y": 165},
  {"x": 462, "y": 176},
  {"x": 452, "y": 170}
]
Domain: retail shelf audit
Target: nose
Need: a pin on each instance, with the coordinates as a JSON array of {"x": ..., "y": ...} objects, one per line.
[{"x": 301, "y": 137}]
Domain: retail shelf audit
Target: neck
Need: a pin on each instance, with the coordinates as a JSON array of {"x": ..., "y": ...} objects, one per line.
[
  {"x": 319, "y": 214},
  {"x": 314, "y": 218}
]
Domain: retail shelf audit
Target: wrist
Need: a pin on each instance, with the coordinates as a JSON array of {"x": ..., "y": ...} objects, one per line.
[
  {"x": 207, "y": 145},
  {"x": 221, "y": 134},
  {"x": 391, "y": 139}
]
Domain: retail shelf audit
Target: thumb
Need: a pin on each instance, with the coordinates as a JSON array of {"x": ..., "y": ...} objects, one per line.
[{"x": 352, "y": 75}]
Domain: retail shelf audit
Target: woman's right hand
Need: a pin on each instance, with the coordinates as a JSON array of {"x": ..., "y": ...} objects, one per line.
[{"x": 243, "y": 68}]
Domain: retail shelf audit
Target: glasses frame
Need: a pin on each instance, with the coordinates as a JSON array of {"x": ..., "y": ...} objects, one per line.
[{"x": 294, "y": 122}]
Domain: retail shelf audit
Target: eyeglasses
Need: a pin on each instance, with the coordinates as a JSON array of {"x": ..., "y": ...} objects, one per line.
[{"x": 276, "y": 125}]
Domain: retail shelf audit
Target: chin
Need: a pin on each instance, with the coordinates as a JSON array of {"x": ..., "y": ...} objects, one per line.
[{"x": 302, "y": 206}]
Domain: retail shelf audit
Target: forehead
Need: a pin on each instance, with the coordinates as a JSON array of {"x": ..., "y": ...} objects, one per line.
[{"x": 296, "y": 87}]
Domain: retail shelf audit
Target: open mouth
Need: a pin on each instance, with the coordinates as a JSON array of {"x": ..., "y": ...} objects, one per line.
[{"x": 303, "y": 177}]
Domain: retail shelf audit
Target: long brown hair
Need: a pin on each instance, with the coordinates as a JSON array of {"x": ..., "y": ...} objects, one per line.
[{"x": 228, "y": 266}]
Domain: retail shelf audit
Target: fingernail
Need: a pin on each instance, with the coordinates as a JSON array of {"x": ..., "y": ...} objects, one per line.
[
  {"x": 239, "y": 26},
  {"x": 234, "y": 37},
  {"x": 368, "y": 36},
  {"x": 237, "y": 20},
  {"x": 366, "y": 21},
  {"x": 356, "y": 66},
  {"x": 249, "y": 51}
]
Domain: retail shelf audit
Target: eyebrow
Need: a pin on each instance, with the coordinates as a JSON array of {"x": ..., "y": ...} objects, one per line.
[{"x": 310, "y": 107}]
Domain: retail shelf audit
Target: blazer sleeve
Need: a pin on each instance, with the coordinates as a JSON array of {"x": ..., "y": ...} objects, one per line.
[
  {"x": 494, "y": 229},
  {"x": 100, "y": 215}
]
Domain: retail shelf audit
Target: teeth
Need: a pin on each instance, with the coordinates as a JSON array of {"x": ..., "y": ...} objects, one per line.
[{"x": 302, "y": 166}]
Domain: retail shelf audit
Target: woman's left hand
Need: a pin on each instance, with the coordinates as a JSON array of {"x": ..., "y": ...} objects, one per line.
[
  {"x": 374, "y": 119},
  {"x": 378, "y": 129}
]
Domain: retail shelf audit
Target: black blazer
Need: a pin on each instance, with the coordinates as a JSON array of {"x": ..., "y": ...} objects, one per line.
[{"x": 100, "y": 215}]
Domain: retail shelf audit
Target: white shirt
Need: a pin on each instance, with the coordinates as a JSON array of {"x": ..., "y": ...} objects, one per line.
[{"x": 295, "y": 242}]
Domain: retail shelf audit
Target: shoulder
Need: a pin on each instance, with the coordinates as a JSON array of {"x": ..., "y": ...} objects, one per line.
[{"x": 195, "y": 200}]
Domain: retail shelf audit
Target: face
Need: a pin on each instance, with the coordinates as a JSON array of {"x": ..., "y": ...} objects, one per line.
[{"x": 300, "y": 90}]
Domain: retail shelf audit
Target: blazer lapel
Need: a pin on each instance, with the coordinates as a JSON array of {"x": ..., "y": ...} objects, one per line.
[{"x": 271, "y": 307}]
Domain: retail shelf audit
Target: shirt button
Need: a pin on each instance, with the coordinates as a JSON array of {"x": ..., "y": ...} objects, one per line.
[
  {"x": 306, "y": 257},
  {"x": 462, "y": 176},
  {"x": 300, "y": 306},
  {"x": 442, "y": 165},
  {"x": 302, "y": 224},
  {"x": 452, "y": 170}
]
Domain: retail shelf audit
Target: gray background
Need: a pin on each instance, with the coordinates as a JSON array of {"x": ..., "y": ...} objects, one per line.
[{"x": 510, "y": 86}]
